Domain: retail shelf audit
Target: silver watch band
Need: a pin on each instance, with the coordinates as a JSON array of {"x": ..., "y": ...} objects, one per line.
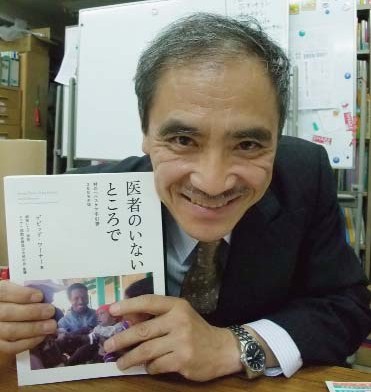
[{"x": 252, "y": 354}]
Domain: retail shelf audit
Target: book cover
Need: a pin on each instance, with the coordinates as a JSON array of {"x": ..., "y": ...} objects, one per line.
[
  {"x": 334, "y": 386},
  {"x": 85, "y": 240}
]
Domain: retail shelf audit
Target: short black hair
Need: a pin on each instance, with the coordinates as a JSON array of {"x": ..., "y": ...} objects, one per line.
[
  {"x": 140, "y": 287},
  {"x": 75, "y": 286}
]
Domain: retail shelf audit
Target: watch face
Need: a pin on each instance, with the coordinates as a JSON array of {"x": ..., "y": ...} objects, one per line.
[{"x": 255, "y": 357}]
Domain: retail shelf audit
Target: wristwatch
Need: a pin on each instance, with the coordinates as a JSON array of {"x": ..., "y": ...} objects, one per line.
[{"x": 252, "y": 353}]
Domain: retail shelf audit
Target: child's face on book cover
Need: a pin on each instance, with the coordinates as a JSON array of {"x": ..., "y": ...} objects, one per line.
[{"x": 104, "y": 318}]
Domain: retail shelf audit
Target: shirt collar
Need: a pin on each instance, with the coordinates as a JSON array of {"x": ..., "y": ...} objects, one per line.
[{"x": 180, "y": 241}]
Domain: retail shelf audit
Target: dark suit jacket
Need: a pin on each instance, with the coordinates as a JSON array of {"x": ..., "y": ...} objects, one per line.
[{"x": 288, "y": 259}]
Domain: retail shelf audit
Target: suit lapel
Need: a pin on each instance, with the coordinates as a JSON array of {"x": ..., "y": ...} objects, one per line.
[{"x": 261, "y": 260}]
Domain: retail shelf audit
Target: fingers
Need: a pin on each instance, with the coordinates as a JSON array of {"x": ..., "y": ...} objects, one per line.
[
  {"x": 13, "y": 331},
  {"x": 13, "y": 293},
  {"x": 24, "y": 322},
  {"x": 20, "y": 345},
  {"x": 151, "y": 304},
  {"x": 135, "y": 318},
  {"x": 146, "y": 330},
  {"x": 166, "y": 364},
  {"x": 144, "y": 353},
  {"x": 18, "y": 312}
]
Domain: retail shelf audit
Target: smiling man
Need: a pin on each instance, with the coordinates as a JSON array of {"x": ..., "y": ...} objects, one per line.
[
  {"x": 80, "y": 317},
  {"x": 212, "y": 138},
  {"x": 283, "y": 288}
]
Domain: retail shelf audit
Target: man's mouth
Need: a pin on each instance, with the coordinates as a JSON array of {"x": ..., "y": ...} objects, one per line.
[{"x": 211, "y": 204}]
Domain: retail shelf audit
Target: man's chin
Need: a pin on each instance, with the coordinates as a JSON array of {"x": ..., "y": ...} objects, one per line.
[
  {"x": 80, "y": 310},
  {"x": 205, "y": 233}
]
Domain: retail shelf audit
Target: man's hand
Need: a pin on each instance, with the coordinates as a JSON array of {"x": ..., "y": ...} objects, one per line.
[
  {"x": 176, "y": 339},
  {"x": 24, "y": 322}
]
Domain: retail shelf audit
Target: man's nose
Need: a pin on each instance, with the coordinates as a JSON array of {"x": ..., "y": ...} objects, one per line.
[{"x": 212, "y": 174}]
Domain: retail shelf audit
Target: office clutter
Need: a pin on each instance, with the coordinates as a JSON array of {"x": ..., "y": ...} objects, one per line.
[
  {"x": 351, "y": 177},
  {"x": 9, "y": 69},
  {"x": 10, "y": 113},
  {"x": 18, "y": 157},
  {"x": 4, "y": 273},
  {"x": 25, "y": 70}
]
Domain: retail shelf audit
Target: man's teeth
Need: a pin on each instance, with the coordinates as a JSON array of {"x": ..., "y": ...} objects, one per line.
[{"x": 201, "y": 204}]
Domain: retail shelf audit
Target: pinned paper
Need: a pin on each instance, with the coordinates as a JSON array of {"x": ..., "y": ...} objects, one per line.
[
  {"x": 309, "y": 5},
  {"x": 69, "y": 66},
  {"x": 294, "y": 7}
]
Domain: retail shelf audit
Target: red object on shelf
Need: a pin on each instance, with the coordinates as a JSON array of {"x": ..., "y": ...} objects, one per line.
[
  {"x": 4, "y": 273},
  {"x": 37, "y": 117},
  {"x": 36, "y": 113}
]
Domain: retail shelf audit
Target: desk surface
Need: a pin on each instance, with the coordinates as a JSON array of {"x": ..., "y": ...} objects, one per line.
[{"x": 310, "y": 379}]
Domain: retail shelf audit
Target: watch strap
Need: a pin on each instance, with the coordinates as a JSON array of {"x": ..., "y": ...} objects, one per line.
[{"x": 245, "y": 338}]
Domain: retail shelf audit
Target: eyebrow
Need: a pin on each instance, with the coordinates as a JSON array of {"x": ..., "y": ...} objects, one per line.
[
  {"x": 173, "y": 127},
  {"x": 260, "y": 134}
]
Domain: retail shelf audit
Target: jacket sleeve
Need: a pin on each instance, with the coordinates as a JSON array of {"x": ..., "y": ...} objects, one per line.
[{"x": 328, "y": 315}]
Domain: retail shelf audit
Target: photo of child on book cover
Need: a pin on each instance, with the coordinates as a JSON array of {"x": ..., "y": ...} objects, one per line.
[{"x": 83, "y": 318}]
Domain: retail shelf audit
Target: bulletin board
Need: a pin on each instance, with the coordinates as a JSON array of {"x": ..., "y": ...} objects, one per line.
[
  {"x": 272, "y": 15},
  {"x": 111, "y": 41},
  {"x": 323, "y": 45}
]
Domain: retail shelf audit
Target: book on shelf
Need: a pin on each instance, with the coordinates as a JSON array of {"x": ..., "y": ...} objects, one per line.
[
  {"x": 94, "y": 237},
  {"x": 363, "y": 2},
  {"x": 362, "y": 35},
  {"x": 9, "y": 68},
  {"x": 350, "y": 226},
  {"x": 351, "y": 176},
  {"x": 363, "y": 67}
]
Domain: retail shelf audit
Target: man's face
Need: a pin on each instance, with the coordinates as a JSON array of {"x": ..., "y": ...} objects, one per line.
[
  {"x": 79, "y": 300},
  {"x": 212, "y": 138}
]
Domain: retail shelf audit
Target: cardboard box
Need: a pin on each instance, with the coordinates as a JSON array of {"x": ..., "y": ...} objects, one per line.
[{"x": 18, "y": 157}]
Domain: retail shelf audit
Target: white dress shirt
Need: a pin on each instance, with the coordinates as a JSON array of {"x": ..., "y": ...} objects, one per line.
[{"x": 179, "y": 247}]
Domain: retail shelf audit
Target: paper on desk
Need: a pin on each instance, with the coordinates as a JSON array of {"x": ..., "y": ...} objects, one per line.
[{"x": 334, "y": 386}]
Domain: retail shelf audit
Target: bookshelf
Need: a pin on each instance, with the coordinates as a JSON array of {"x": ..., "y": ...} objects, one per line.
[
  {"x": 363, "y": 54},
  {"x": 34, "y": 83}
]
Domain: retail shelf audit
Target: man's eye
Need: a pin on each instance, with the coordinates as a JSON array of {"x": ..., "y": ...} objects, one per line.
[
  {"x": 182, "y": 140},
  {"x": 248, "y": 145}
]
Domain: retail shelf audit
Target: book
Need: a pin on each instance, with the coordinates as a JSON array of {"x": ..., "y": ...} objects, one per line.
[
  {"x": 350, "y": 386},
  {"x": 100, "y": 234},
  {"x": 350, "y": 226}
]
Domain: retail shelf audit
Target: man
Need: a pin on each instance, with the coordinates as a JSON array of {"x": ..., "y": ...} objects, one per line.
[
  {"x": 213, "y": 96},
  {"x": 80, "y": 318}
]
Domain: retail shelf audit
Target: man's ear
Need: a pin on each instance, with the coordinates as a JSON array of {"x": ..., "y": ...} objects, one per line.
[{"x": 145, "y": 144}]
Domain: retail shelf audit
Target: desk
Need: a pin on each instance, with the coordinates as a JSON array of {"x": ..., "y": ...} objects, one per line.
[{"x": 310, "y": 379}]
